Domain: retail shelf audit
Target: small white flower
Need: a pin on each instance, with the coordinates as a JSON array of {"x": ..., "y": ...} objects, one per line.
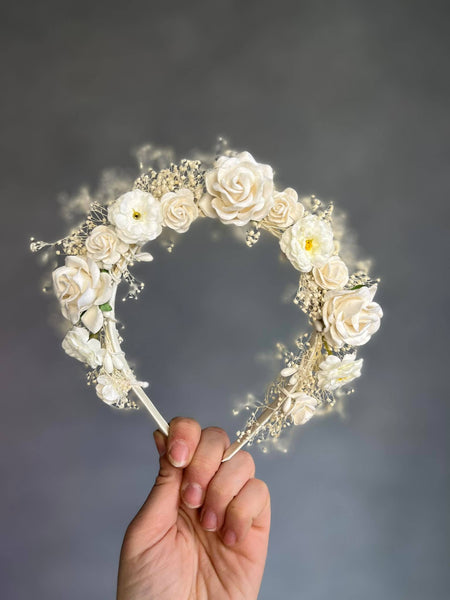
[
  {"x": 239, "y": 190},
  {"x": 78, "y": 345},
  {"x": 179, "y": 209},
  {"x": 335, "y": 372},
  {"x": 333, "y": 275},
  {"x": 286, "y": 209},
  {"x": 350, "y": 316},
  {"x": 80, "y": 286},
  {"x": 106, "y": 389},
  {"x": 104, "y": 246},
  {"x": 137, "y": 217},
  {"x": 303, "y": 409},
  {"x": 308, "y": 243}
]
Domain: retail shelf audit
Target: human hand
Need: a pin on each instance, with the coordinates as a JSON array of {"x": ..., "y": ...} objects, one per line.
[{"x": 203, "y": 531}]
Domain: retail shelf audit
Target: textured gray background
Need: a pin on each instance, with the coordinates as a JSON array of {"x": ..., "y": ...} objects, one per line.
[{"x": 349, "y": 100}]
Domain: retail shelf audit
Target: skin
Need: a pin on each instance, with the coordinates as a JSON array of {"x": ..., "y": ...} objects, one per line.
[{"x": 173, "y": 548}]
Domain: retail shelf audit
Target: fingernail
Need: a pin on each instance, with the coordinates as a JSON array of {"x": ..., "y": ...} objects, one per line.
[
  {"x": 192, "y": 495},
  {"x": 178, "y": 453},
  {"x": 209, "y": 520},
  {"x": 229, "y": 537}
]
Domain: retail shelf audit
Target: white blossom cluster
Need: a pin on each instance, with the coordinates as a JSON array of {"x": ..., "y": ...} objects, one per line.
[{"x": 238, "y": 191}]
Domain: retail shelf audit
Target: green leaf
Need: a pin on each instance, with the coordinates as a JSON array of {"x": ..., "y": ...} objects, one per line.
[
  {"x": 105, "y": 307},
  {"x": 104, "y": 271},
  {"x": 356, "y": 287}
]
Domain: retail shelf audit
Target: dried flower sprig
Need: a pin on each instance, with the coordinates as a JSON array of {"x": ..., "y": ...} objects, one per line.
[{"x": 236, "y": 190}]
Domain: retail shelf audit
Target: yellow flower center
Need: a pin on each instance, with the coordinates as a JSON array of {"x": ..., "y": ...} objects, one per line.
[
  {"x": 308, "y": 245},
  {"x": 136, "y": 215}
]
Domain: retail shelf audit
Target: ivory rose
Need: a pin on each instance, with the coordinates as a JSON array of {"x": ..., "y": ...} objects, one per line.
[
  {"x": 80, "y": 286},
  {"x": 137, "y": 217},
  {"x": 104, "y": 246},
  {"x": 303, "y": 409},
  {"x": 78, "y": 345},
  {"x": 308, "y": 243},
  {"x": 286, "y": 209},
  {"x": 239, "y": 190},
  {"x": 179, "y": 209},
  {"x": 333, "y": 275},
  {"x": 335, "y": 372},
  {"x": 350, "y": 316}
]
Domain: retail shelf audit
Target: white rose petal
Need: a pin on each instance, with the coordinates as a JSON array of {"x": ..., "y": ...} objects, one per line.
[
  {"x": 106, "y": 390},
  {"x": 286, "y": 209},
  {"x": 303, "y": 409},
  {"x": 308, "y": 243},
  {"x": 333, "y": 275},
  {"x": 79, "y": 285},
  {"x": 113, "y": 360},
  {"x": 143, "y": 257},
  {"x": 179, "y": 209},
  {"x": 239, "y": 190},
  {"x": 335, "y": 372},
  {"x": 104, "y": 246},
  {"x": 93, "y": 319},
  {"x": 350, "y": 316},
  {"x": 137, "y": 217},
  {"x": 78, "y": 345}
]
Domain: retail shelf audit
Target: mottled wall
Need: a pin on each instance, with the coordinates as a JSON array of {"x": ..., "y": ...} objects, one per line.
[{"x": 349, "y": 100}]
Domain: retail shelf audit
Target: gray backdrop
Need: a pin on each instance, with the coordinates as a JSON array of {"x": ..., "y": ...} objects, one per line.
[{"x": 348, "y": 100}]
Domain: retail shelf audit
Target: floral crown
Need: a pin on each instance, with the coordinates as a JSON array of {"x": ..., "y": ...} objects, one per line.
[{"x": 237, "y": 190}]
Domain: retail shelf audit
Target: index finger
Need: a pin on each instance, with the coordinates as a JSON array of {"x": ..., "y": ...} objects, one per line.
[{"x": 184, "y": 436}]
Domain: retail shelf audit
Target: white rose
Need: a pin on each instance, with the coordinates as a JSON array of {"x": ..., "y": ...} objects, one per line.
[
  {"x": 335, "y": 372},
  {"x": 333, "y": 275},
  {"x": 137, "y": 217},
  {"x": 179, "y": 209},
  {"x": 106, "y": 389},
  {"x": 350, "y": 316},
  {"x": 80, "y": 286},
  {"x": 303, "y": 409},
  {"x": 308, "y": 243},
  {"x": 239, "y": 190},
  {"x": 286, "y": 209},
  {"x": 78, "y": 345},
  {"x": 104, "y": 246}
]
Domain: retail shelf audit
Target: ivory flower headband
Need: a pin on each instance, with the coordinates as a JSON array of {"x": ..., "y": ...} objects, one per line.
[{"x": 238, "y": 191}]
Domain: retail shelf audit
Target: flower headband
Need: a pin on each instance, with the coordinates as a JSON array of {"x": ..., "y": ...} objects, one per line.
[{"x": 238, "y": 191}]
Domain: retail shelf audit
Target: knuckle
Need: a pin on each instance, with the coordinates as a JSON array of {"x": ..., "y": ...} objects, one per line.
[
  {"x": 178, "y": 422},
  {"x": 236, "y": 512},
  {"x": 184, "y": 428},
  {"x": 217, "y": 494},
  {"x": 247, "y": 460},
  {"x": 201, "y": 469},
  {"x": 261, "y": 488},
  {"x": 217, "y": 432}
]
